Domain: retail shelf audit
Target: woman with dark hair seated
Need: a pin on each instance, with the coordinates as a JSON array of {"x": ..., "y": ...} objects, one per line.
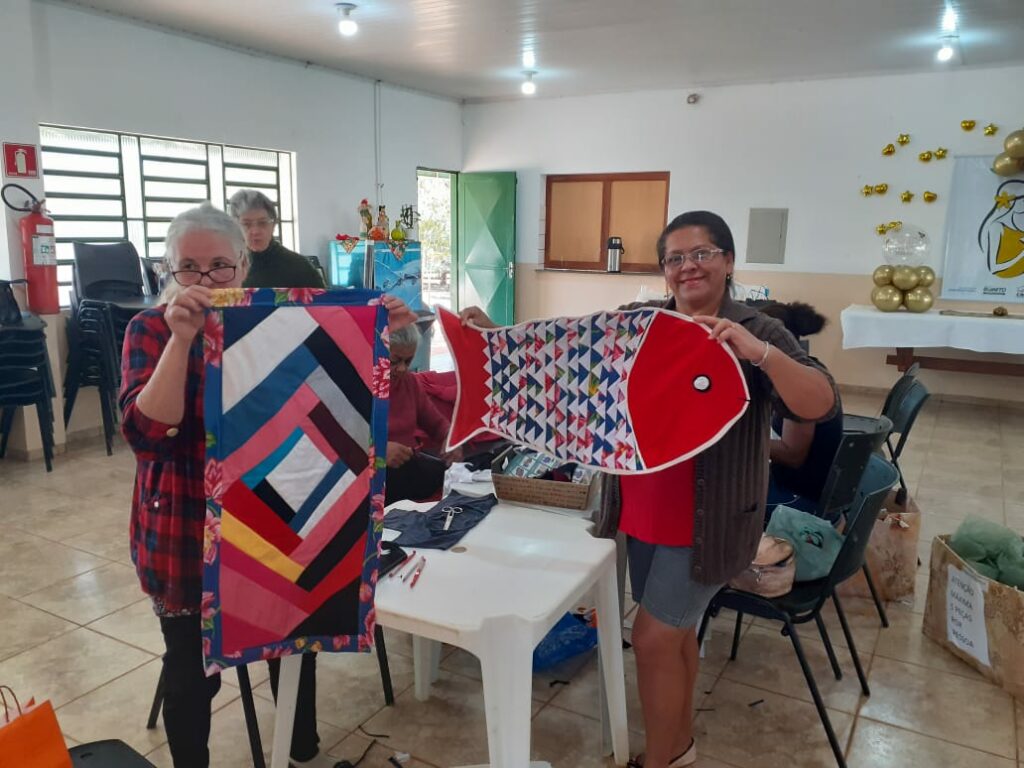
[{"x": 802, "y": 454}]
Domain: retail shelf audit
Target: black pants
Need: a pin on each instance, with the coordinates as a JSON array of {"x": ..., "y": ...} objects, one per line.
[
  {"x": 416, "y": 480},
  {"x": 188, "y": 693}
]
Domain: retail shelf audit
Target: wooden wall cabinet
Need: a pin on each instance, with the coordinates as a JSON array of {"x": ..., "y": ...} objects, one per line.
[{"x": 584, "y": 210}]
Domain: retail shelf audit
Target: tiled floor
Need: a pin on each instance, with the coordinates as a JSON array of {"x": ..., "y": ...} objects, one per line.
[{"x": 75, "y": 628}]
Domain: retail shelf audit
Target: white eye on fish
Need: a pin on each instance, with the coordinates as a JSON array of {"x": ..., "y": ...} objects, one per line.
[{"x": 702, "y": 383}]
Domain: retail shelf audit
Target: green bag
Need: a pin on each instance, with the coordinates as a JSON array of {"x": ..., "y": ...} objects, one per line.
[{"x": 815, "y": 542}]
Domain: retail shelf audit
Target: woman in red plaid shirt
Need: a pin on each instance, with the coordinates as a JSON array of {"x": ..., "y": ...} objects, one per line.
[{"x": 162, "y": 405}]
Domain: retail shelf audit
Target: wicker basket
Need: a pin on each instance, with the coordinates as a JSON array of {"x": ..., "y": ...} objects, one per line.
[{"x": 544, "y": 493}]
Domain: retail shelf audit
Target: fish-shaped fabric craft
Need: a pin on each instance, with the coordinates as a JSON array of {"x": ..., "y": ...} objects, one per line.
[{"x": 626, "y": 392}]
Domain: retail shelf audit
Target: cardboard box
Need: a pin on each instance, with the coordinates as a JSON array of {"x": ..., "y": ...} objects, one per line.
[
  {"x": 976, "y": 619},
  {"x": 891, "y": 554}
]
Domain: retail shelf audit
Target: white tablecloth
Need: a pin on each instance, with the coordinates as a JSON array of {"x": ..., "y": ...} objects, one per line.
[{"x": 865, "y": 326}]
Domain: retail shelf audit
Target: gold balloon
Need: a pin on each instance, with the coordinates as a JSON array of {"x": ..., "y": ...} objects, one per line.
[
  {"x": 867, "y": 190},
  {"x": 903, "y": 139},
  {"x": 1004, "y": 165},
  {"x": 905, "y": 278},
  {"x": 1014, "y": 144},
  {"x": 990, "y": 129},
  {"x": 967, "y": 125},
  {"x": 906, "y": 196},
  {"x": 929, "y": 197},
  {"x": 881, "y": 229},
  {"x": 883, "y": 274},
  {"x": 940, "y": 153},
  {"x": 919, "y": 300},
  {"x": 889, "y": 149},
  {"x": 925, "y": 157},
  {"x": 881, "y": 189},
  {"x": 925, "y": 277},
  {"x": 886, "y": 298}
]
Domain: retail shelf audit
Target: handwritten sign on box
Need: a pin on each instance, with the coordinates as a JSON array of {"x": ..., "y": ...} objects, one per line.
[{"x": 965, "y": 613}]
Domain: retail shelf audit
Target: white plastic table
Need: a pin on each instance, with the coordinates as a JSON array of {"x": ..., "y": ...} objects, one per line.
[{"x": 520, "y": 571}]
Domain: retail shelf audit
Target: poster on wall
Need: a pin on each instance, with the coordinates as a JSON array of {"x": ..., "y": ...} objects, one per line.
[{"x": 984, "y": 235}]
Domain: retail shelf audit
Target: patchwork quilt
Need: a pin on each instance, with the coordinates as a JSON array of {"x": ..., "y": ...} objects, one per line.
[{"x": 295, "y": 406}]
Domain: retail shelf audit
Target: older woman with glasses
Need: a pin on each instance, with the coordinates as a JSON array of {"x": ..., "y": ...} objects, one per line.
[
  {"x": 271, "y": 264},
  {"x": 161, "y": 400},
  {"x": 692, "y": 527}
]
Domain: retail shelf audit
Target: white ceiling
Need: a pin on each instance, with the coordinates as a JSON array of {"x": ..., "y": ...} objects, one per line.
[{"x": 472, "y": 49}]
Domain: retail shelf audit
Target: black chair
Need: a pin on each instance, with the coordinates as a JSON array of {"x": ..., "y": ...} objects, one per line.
[
  {"x": 26, "y": 381},
  {"x": 843, "y": 483},
  {"x": 855, "y": 423},
  {"x": 107, "y": 754},
  {"x": 905, "y": 413},
  {"x": 106, "y": 272},
  {"x": 93, "y": 361},
  {"x": 249, "y": 707},
  {"x": 319, "y": 268},
  {"x": 806, "y": 600}
]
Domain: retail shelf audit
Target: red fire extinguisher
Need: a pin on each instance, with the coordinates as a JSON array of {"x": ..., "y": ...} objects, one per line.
[{"x": 39, "y": 251}]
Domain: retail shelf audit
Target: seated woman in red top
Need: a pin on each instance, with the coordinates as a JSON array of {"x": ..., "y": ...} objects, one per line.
[
  {"x": 412, "y": 474},
  {"x": 161, "y": 400}
]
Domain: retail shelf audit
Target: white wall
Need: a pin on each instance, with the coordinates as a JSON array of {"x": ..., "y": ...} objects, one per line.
[
  {"x": 96, "y": 71},
  {"x": 806, "y": 146}
]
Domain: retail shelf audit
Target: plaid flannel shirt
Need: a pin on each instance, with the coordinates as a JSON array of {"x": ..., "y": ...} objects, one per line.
[{"x": 169, "y": 500}]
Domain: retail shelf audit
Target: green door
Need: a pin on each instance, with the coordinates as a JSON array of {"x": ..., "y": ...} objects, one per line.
[{"x": 486, "y": 244}]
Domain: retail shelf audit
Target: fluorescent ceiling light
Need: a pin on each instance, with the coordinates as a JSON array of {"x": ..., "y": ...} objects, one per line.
[
  {"x": 949, "y": 20},
  {"x": 529, "y": 59}
]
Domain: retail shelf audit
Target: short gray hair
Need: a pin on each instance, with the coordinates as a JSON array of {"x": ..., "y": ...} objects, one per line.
[
  {"x": 407, "y": 336},
  {"x": 204, "y": 218},
  {"x": 245, "y": 200}
]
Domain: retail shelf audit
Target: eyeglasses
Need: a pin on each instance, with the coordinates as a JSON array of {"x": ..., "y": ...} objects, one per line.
[
  {"x": 258, "y": 224},
  {"x": 195, "y": 276},
  {"x": 676, "y": 260}
]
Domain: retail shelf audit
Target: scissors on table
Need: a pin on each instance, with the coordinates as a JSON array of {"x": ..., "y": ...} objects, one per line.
[{"x": 450, "y": 513}]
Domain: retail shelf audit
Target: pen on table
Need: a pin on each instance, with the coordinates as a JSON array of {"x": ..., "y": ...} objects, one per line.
[
  {"x": 401, "y": 565},
  {"x": 419, "y": 570},
  {"x": 412, "y": 570}
]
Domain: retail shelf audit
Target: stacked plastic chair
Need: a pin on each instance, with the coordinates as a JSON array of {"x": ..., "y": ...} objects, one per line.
[{"x": 26, "y": 381}]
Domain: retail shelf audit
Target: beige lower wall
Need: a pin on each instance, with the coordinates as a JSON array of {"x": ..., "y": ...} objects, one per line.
[{"x": 545, "y": 293}]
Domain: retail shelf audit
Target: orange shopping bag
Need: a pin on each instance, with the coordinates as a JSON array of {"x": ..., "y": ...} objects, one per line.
[{"x": 29, "y": 735}]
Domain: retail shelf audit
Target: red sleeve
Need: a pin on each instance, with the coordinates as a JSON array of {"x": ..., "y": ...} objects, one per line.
[
  {"x": 428, "y": 418},
  {"x": 144, "y": 341}
]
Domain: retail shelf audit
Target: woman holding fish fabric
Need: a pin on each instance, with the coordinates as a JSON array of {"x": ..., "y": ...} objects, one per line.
[{"x": 694, "y": 525}]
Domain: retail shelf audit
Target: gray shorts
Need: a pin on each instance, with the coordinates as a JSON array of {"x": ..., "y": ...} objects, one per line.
[{"x": 661, "y": 582}]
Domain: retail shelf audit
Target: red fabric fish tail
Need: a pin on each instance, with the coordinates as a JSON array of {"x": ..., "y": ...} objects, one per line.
[{"x": 469, "y": 350}]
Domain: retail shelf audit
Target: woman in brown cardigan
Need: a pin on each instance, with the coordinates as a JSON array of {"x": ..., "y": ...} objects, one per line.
[{"x": 685, "y": 544}]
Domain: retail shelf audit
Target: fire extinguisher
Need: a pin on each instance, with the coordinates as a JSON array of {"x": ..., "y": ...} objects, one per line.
[{"x": 39, "y": 252}]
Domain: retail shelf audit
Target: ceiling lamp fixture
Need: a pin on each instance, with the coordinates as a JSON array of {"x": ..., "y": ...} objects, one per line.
[
  {"x": 528, "y": 87},
  {"x": 949, "y": 20},
  {"x": 945, "y": 53},
  {"x": 347, "y": 26},
  {"x": 529, "y": 59}
]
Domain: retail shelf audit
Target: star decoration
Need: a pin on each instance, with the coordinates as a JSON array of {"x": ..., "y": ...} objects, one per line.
[
  {"x": 940, "y": 153},
  {"x": 1005, "y": 200},
  {"x": 925, "y": 157},
  {"x": 930, "y": 197},
  {"x": 881, "y": 189},
  {"x": 903, "y": 139},
  {"x": 881, "y": 229},
  {"x": 990, "y": 129},
  {"x": 889, "y": 149},
  {"x": 867, "y": 190},
  {"x": 907, "y": 196}
]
